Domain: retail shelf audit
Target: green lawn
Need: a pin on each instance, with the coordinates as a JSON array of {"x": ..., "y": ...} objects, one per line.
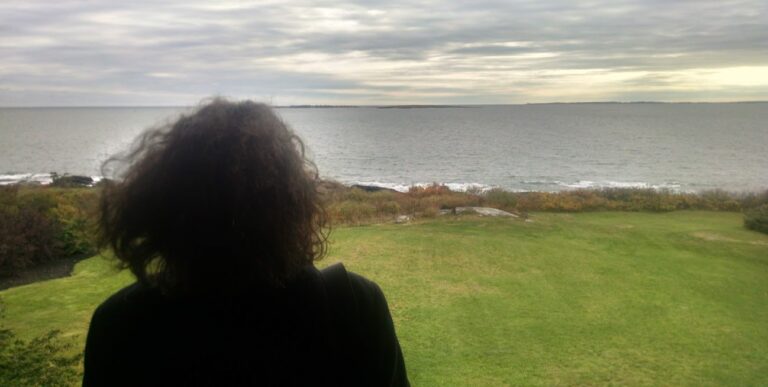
[{"x": 585, "y": 299}]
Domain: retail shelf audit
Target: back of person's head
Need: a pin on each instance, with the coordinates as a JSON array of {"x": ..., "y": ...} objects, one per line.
[{"x": 221, "y": 199}]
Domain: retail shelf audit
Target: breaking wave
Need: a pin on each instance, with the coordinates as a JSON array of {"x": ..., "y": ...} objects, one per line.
[{"x": 520, "y": 186}]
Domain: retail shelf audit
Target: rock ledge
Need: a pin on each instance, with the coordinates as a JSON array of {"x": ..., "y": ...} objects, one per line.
[{"x": 484, "y": 211}]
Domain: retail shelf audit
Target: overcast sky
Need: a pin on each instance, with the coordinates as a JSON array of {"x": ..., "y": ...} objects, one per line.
[{"x": 381, "y": 52}]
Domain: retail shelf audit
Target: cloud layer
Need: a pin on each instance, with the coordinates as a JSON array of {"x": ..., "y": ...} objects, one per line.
[{"x": 382, "y": 52}]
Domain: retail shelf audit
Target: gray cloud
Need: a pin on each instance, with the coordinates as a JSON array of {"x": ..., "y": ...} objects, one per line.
[{"x": 78, "y": 52}]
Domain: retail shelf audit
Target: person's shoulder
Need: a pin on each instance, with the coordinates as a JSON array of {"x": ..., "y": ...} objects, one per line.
[
  {"x": 130, "y": 297},
  {"x": 366, "y": 291},
  {"x": 377, "y": 338},
  {"x": 359, "y": 282}
]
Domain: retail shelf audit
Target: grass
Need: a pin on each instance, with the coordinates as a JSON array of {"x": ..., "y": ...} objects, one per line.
[{"x": 601, "y": 298}]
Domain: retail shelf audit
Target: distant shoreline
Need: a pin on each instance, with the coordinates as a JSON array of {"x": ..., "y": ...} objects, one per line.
[
  {"x": 46, "y": 179},
  {"x": 385, "y": 106}
]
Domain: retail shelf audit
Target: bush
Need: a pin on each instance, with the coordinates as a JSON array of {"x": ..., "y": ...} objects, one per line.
[
  {"x": 40, "y": 224},
  {"x": 503, "y": 200},
  {"x": 43, "y": 223},
  {"x": 456, "y": 199},
  {"x": 27, "y": 231},
  {"x": 74, "y": 211},
  {"x": 351, "y": 212},
  {"x": 751, "y": 200},
  {"x": 429, "y": 212},
  {"x": 389, "y": 207},
  {"x": 426, "y": 201},
  {"x": 42, "y": 361},
  {"x": 757, "y": 219},
  {"x": 720, "y": 200},
  {"x": 430, "y": 190}
]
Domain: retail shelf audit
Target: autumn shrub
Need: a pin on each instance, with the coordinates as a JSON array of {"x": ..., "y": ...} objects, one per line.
[
  {"x": 457, "y": 199},
  {"x": 534, "y": 201},
  {"x": 352, "y": 205},
  {"x": 412, "y": 206},
  {"x": 720, "y": 200},
  {"x": 754, "y": 199},
  {"x": 429, "y": 212},
  {"x": 351, "y": 212},
  {"x": 355, "y": 206},
  {"x": 438, "y": 196},
  {"x": 625, "y": 199},
  {"x": 424, "y": 201},
  {"x": 503, "y": 200},
  {"x": 75, "y": 210},
  {"x": 389, "y": 207},
  {"x": 428, "y": 190},
  {"x": 28, "y": 232},
  {"x": 40, "y": 224}
]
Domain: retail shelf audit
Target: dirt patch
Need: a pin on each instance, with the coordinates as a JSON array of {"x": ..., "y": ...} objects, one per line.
[
  {"x": 49, "y": 270},
  {"x": 710, "y": 236}
]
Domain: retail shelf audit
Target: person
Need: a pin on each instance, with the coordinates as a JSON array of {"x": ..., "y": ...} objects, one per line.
[{"x": 218, "y": 217}]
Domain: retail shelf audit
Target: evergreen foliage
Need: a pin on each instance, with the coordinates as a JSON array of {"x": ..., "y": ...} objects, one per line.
[{"x": 757, "y": 219}]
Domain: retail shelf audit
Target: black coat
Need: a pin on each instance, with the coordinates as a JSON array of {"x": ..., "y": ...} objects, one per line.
[{"x": 303, "y": 334}]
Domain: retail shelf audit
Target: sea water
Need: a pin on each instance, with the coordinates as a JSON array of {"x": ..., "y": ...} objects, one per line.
[{"x": 546, "y": 147}]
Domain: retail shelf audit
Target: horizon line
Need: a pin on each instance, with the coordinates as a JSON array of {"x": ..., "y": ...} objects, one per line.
[{"x": 425, "y": 105}]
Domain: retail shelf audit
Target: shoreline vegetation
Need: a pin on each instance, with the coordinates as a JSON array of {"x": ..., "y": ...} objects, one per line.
[{"x": 40, "y": 224}]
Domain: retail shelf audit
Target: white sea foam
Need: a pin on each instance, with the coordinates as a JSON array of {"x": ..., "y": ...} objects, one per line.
[
  {"x": 588, "y": 184},
  {"x": 401, "y": 187},
  {"x": 13, "y": 178},
  {"x": 46, "y": 178}
]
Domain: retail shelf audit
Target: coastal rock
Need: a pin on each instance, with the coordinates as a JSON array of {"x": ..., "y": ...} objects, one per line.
[
  {"x": 372, "y": 188},
  {"x": 484, "y": 211},
  {"x": 402, "y": 219},
  {"x": 71, "y": 181}
]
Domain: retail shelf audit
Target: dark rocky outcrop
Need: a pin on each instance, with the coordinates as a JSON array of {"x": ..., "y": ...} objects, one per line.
[
  {"x": 372, "y": 188},
  {"x": 71, "y": 180}
]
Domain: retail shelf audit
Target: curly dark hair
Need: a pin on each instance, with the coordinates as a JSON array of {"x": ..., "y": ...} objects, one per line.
[{"x": 224, "y": 198}]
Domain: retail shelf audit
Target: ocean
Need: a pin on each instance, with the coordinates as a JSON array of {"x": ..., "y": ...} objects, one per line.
[{"x": 536, "y": 147}]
